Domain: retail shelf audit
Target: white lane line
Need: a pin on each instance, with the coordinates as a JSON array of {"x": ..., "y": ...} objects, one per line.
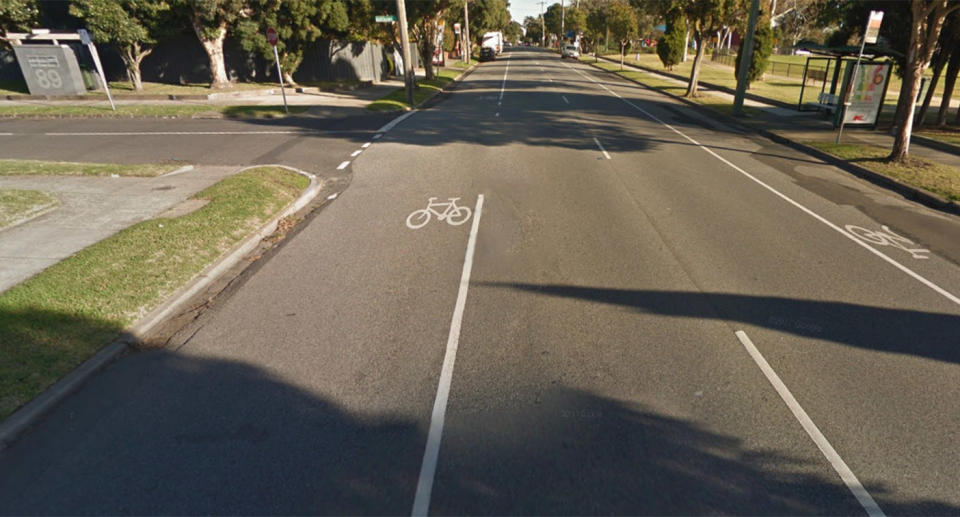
[
  {"x": 366, "y": 145},
  {"x": 913, "y": 274},
  {"x": 343, "y": 165},
  {"x": 847, "y": 475},
  {"x": 564, "y": 99},
  {"x": 393, "y": 123},
  {"x": 421, "y": 502},
  {"x": 504, "y": 84},
  {"x": 6, "y": 134},
  {"x": 355, "y": 153},
  {"x": 604, "y": 151}
]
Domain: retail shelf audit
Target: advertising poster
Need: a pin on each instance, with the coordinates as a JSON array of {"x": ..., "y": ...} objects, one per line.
[{"x": 866, "y": 93}]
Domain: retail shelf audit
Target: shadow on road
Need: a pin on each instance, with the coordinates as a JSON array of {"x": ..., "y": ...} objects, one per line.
[{"x": 873, "y": 328}]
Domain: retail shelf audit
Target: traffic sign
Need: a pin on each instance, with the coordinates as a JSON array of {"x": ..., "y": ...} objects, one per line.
[
  {"x": 873, "y": 27},
  {"x": 272, "y": 37},
  {"x": 385, "y": 18},
  {"x": 456, "y": 28}
]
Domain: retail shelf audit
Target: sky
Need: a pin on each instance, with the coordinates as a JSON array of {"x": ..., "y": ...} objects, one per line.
[{"x": 520, "y": 9}]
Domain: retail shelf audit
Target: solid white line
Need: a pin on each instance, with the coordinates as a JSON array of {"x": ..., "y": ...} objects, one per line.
[
  {"x": 393, "y": 123},
  {"x": 504, "y": 85},
  {"x": 812, "y": 430},
  {"x": 916, "y": 276},
  {"x": 604, "y": 151},
  {"x": 355, "y": 153},
  {"x": 366, "y": 145},
  {"x": 564, "y": 99},
  {"x": 421, "y": 502},
  {"x": 343, "y": 165},
  {"x": 6, "y": 134}
]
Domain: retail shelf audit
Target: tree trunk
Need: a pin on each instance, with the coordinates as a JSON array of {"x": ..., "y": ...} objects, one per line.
[
  {"x": 214, "y": 49},
  {"x": 695, "y": 70},
  {"x": 949, "y": 82},
  {"x": 937, "y": 70},
  {"x": 288, "y": 65}
]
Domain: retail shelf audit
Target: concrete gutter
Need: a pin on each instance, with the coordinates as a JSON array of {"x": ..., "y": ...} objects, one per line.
[
  {"x": 917, "y": 194},
  {"x": 25, "y": 417}
]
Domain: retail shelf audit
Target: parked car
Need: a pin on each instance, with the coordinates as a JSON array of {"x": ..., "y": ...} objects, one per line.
[
  {"x": 487, "y": 54},
  {"x": 570, "y": 51}
]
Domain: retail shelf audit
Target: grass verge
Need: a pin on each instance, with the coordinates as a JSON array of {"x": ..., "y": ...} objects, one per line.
[
  {"x": 669, "y": 86},
  {"x": 42, "y": 168},
  {"x": 396, "y": 101},
  {"x": 933, "y": 177},
  {"x": 950, "y": 136},
  {"x": 54, "y": 321},
  {"x": 18, "y": 205},
  {"x": 145, "y": 110}
]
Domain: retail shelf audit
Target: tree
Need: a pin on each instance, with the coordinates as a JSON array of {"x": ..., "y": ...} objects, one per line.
[
  {"x": 210, "y": 20},
  {"x": 297, "y": 22},
  {"x": 576, "y": 20},
  {"x": 513, "y": 32},
  {"x": 17, "y": 15},
  {"x": 551, "y": 18},
  {"x": 670, "y": 45},
  {"x": 131, "y": 26},
  {"x": 926, "y": 20},
  {"x": 946, "y": 47},
  {"x": 704, "y": 17},
  {"x": 486, "y": 16},
  {"x": 533, "y": 27},
  {"x": 623, "y": 25},
  {"x": 953, "y": 68},
  {"x": 762, "y": 49},
  {"x": 597, "y": 15}
]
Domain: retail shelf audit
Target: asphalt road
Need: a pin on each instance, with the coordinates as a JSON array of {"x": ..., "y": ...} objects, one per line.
[{"x": 646, "y": 313}]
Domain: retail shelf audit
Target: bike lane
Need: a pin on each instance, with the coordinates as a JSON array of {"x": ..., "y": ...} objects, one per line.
[{"x": 308, "y": 390}]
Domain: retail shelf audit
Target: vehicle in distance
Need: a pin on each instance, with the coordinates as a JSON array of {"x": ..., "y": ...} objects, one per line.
[
  {"x": 570, "y": 51},
  {"x": 487, "y": 54},
  {"x": 493, "y": 40}
]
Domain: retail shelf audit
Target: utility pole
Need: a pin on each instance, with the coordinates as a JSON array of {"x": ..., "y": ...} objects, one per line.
[
  {"x": 563, "y": 34},
  {"x": 408, "y": 77},
  {"x": 466, "y": 30},
  {"x": 543, "y": 26},
  {"x": 746, "y": 56}
]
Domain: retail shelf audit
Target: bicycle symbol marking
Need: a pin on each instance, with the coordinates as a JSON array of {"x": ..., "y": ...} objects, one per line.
[
  {"x": 887, "y": 237},
  {"x": 444, "y": 211}
]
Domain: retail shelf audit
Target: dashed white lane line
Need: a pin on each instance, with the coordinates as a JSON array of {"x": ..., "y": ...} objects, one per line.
[
  {"x": 909, "y": 272},
  {"x": 604, "y": 151},
  {"x": 355, "y": 153},
  {"x": 564, "y": 99},
  {"x": 393, "y": 123},
  {"x": 366, "y": 145},
  {"x": 343, "y": 165},
  {"x": 503, "y": 86},
  {"x": 6, "y": 134},
  {"x": 421, "y": 502},
  {"x": 847, "y": 475}
]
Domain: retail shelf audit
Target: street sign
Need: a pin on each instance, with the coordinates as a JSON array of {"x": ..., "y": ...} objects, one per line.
[
  {"x": 385, "y": 18},
  {"x": 873, "y": 27},
  {"x": 456, "y": 28},
  {"x": 272, "y": 37}
]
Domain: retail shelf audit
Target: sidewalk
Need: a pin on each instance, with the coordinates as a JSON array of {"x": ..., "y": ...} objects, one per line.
[{"x": 91, "y": 209}]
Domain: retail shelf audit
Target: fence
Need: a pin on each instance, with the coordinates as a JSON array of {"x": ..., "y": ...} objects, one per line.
[{"x": 784, "y": 69}]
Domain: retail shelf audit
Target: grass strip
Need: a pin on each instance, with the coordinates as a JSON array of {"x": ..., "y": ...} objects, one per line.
[
  {"x": 43, "y": 168},
  {"x": 396, "y": 101},
  {"x": 54, "y": 321},
  {"x": 145, "y": 110},
  {"x": 18, "y": 205},
  {"x": 933, "y": 177},
  {"x": 950, "y": 136}
]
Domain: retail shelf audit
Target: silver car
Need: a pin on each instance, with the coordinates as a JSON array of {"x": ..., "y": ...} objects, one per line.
[{"x": 570, "y": 51}]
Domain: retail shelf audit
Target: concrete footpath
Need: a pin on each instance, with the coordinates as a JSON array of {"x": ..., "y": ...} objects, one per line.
[{"x": 92, "y": 209}]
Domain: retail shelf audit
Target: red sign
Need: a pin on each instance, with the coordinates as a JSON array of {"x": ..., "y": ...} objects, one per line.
[{"x": 272, "y": 36}]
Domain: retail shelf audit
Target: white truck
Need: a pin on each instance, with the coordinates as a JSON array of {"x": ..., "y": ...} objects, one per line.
[{"x": 493, "y": 40}]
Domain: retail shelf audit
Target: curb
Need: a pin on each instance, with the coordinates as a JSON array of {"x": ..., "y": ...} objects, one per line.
[
  {"x": 917, "y": 194},
  {"x": 936, "y": 144},
  {"x": 457, "y": 79},
  {"x": 25, "y": 417}
]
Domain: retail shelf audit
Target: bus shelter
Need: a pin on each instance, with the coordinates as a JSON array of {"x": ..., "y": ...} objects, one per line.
[{"x": 860, "y": 102}]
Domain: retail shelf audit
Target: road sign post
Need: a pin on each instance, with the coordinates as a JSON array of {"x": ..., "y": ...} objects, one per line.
[
  {"x": 272, "y": 39},
  {"x": 86, "y": 40}
]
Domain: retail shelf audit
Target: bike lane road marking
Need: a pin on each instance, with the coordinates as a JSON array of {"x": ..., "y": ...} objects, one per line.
[{"x": 421, "y": 502}]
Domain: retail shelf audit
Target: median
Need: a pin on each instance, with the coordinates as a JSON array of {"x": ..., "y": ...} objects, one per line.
[{"x": 54, "y": 321}]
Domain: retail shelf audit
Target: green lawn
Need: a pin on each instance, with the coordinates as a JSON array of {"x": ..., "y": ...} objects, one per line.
[
  {"x": 42, "y": 168},
  {"x": 145, "y": 110},
  {"x": 396, "y": 101},
  {"x": 54, "y": 321},
  {"x": 17, "y": 205},
  {"x": 939, "y": 179},
  {"x": 950, "y": 136}
]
